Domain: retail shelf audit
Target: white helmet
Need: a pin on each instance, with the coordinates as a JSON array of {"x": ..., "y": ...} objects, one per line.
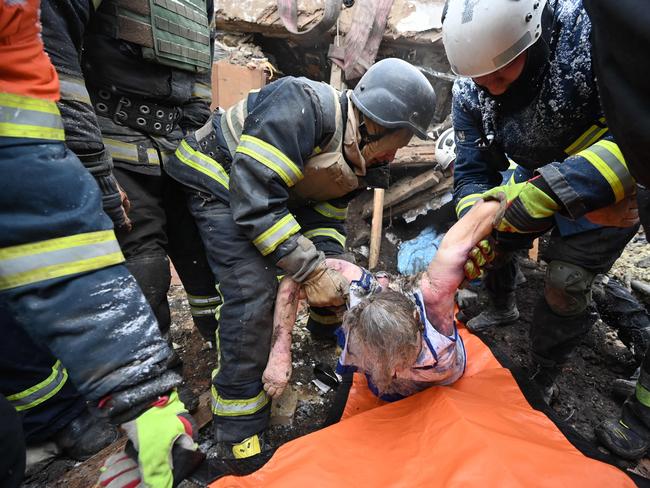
[
  {"x": 446, "y": 148},
  {"x": 482, "y": 36}
]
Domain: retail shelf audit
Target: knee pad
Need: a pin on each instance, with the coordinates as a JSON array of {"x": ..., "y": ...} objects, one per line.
[{"x": 567, "y": 289}]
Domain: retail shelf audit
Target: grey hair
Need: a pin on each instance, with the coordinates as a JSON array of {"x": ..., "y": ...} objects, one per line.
[{"x": 382, "y": 332}]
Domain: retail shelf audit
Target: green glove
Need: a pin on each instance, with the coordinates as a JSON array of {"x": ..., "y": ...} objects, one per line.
[
  {"x": 154, "y": 434},
  {"x": 480, "y": 256},
  {"x": 528, "y": 207}
]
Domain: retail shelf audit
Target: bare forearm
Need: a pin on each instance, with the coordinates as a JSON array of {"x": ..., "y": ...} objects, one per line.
[
  {"x": 445, "y": 273},
  {"x": 284, "y": 316},
  {"x": 278, "y": 368}
]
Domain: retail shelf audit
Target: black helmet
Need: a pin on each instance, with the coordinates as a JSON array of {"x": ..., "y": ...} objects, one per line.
[{"x": 394, "y": 94}]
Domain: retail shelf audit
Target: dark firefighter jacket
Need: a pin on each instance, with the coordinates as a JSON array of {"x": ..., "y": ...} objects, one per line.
[
  {"x": 276, "y": 158},
  {"x": 561, "y": 133}
]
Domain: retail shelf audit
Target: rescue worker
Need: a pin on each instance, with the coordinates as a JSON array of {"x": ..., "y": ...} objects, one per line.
[
  {"x": 128, "y": 105},
  {"x": 268, "y": 182},
  {"x": 529, "y": 95},
  {"x": 62, "y": 276},
  {"x": 135, "y": 77},
  {"x": 620, "y": 49}
]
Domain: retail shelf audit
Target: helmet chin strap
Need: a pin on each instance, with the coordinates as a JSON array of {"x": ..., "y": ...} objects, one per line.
[{"x": 366, "y": 136}]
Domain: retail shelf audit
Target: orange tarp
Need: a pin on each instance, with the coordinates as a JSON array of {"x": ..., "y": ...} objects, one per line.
[{"x": 478, "y": 432}]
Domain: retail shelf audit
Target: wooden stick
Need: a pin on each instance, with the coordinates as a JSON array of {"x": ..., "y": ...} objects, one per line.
[
  {"x": 375, "y": 230},
  {"x": 533, "y": 252}
]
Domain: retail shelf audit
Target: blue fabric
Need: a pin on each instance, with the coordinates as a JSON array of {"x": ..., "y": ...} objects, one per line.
[{"x": 415, "y": 255}]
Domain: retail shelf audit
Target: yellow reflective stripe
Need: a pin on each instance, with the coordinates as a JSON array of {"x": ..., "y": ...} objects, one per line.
[
  {"x": 121, "y": 151},
  {"x": 28, "y": 103},
  {"x": 271, "y": 157},
  {"x": 203, "y": 300},
  {"x": 125, "y": 151},
  {"x": 29, "y": 263},
  {"x": 467, "y": 201},
  {"x": 607, "y": 158},
  {"x": 330, "y": 211},
  {"x": 74, "y": 89},
  {"x": 270, "y": 239},
  {"x": 41, "y": 392},
  {"x": 326, "y": 232},
  {"x": 31, "y": 132},
  {"x": 324, "y": 319},
  {"x": 201, "y": 90},
  {"x": 239, "y": 407},
  {"x": 642, "y": 394},
  {"x": 589, "y": 137},
  {"x": 202, "y": 163},
  {"x": 31, "y": 118}
]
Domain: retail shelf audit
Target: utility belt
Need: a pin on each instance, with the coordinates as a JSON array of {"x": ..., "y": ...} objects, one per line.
[{"x": 138, "y": 113}]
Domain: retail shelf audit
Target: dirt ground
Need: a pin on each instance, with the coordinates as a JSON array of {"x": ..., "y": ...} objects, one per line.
[{"x": 585, "y": 397}]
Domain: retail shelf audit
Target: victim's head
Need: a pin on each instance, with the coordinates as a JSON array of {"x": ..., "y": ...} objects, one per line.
[{"x": 383, "y": 336}]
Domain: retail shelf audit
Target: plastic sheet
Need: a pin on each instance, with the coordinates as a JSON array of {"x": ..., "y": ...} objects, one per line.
[{"x": 478, "y": 432}]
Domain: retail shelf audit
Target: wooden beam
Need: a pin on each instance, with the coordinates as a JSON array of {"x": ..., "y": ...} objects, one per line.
[
  {"x": 405, "y": 188},
  {"x": 375, "y": 230},
  {"x": 419, "y": 199},
  {"x": 533, "y": 252},
  {"x": 410, "y": 24}
]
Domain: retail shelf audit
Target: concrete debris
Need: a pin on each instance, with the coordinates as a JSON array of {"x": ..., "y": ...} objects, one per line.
[
  {"x": 39, "y": 456},
  {"x": 239, "y": 49},
  {"x": 283, "y": 408}
]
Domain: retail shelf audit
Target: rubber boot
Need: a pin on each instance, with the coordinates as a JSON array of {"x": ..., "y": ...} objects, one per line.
[
  {"x": 154, "y": 277},
  {"x": 623, "y": 388},
  {"x": 629, "y": 436},
  {"x": 84, "y": 436},
  {"x": 241, "y": 458},
  {"x": 501, "y": 311}
]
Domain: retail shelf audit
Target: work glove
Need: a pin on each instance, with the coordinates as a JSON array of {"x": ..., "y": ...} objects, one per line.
[
  {"x": 114, "y": 200},
  {"x": 478, "y": 258},
  {"x": 325, "y": 287},
  {"x": 526, "y": 207},
  {"x": 163, "y": 439}
]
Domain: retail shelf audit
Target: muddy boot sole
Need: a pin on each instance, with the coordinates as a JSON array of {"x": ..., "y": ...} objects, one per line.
[{"x": 488, "y": 319}]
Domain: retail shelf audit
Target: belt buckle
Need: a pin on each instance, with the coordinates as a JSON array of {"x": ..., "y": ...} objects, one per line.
[{"x": 120, "y": 116}]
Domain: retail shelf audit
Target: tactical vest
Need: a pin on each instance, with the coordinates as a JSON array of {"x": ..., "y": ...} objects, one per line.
[
  {"x": 326, "y": 173},
  {"x": 171, "y": 32}
]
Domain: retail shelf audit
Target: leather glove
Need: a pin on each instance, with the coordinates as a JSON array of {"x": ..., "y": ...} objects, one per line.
[
  {"x": 325, "y": 287},
  {"x": 480, "y": 256},
  {"x": 114, "y": 200},
  {"x": 163, "y": 437},
  {"x": 526, "y": 207}
]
